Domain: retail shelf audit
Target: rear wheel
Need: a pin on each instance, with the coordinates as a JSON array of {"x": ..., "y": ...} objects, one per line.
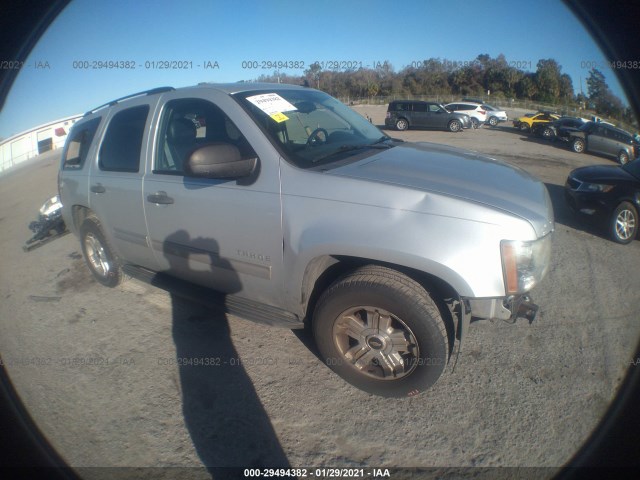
[
  {"x": 547, "y": 133},
  {"x": 402, "y": 124},
  {"x": 98, "y": 254},
  {"x": 381, "y": 332},
  {"x": 577, "y": 145},
  {"x": 475, "y": 123},
  {"x": 524, "y": 127},
  {"x": 623, "y": 226},
  {"x": 493, "y": 121}
]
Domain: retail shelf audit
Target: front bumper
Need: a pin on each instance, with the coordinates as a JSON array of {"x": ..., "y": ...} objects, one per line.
[
  {"x": 509, "y": 308},
  {"x": 593, "y": 204}
]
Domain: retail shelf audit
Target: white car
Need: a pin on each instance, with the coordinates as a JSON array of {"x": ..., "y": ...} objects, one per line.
[
  {"x": 476, "y": 111},
  {"x": 494, "y": 114}
]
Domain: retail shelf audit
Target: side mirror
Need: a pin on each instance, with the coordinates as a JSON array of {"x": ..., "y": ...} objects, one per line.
[{"x": 219, "y": 160}]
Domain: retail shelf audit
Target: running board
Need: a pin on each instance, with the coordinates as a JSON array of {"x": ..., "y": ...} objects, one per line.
[{"x": 231, "y": 304}]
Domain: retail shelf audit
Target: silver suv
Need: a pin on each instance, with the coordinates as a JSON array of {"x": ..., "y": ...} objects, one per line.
[{"x": 301, "y": 212}]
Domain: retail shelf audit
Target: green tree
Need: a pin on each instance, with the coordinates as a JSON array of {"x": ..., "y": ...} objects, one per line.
[
  {"x": 547, "y": 80},
  {"x": 596, "y": 85}
]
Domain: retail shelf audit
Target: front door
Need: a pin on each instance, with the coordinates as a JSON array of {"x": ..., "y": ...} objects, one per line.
[{"x": 224, "y": 234}]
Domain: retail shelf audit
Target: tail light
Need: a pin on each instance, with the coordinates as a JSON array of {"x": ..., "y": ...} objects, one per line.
[{"x": 482, "y": 112}]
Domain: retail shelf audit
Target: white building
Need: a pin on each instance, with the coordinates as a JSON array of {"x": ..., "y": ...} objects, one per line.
[{"x": 28, "y": 144}]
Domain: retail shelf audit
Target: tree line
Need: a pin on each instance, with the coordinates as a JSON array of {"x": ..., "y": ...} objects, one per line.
[{"x": 436, "y": 76}]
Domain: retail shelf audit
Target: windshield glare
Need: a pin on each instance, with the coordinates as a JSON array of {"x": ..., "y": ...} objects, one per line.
[{"x": 310, "y": 126}]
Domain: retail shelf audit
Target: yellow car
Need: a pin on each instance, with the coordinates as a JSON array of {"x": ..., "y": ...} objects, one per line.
[{"x": 525, "y": 123}]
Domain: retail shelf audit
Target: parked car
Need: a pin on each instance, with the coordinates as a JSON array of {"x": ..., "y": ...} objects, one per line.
[
  {"x": 475, "y": 111},
  {"x": 556, "y": 130},
  {"x": 404, "y": 114},
  {"x": 608, "y": 192},
  {"x": 494, "y": 114},
  {"x": 299, "y": 211},
  {"x": 525, "y": 123},
  {"x": 604, "y": 139}
]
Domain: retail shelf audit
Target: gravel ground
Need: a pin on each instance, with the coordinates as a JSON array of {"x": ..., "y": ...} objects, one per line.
[{"x": 99, "y": 369}]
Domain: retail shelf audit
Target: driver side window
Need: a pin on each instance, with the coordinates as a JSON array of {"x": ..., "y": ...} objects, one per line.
[{"x": 189, "y": 124}]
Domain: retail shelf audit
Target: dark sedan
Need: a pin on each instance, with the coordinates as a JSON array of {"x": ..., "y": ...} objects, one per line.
[
  {"x": 555, "y": 130},
  {"x": 610, "y": 192}
]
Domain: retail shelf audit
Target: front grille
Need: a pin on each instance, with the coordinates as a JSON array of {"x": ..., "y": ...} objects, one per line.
[{"x": 573, "y": 183}]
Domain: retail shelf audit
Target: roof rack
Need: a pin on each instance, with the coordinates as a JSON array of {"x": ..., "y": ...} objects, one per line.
[{"x": 117, "y": 100}]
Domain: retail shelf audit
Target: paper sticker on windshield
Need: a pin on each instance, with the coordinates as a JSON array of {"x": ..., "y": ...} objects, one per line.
[
  {"x": 271, "y": 103},
  {"x": 279, "y": 117}
]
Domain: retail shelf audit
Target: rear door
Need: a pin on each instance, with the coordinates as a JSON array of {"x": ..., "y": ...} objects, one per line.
[
  {"x": 115, "y": 182},
  {"x": 420, "y": 115}
]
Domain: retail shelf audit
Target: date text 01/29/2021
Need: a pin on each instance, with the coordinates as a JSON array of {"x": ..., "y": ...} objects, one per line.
[{"x": 317, "y": 472}]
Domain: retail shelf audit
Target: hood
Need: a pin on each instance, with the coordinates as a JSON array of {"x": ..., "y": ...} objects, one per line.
[
  {"x": 458, "y": 173},
  {"x": 602, "y": 174}
]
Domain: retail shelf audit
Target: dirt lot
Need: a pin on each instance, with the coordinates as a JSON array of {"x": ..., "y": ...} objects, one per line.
[{"x": 100, "y": 369}]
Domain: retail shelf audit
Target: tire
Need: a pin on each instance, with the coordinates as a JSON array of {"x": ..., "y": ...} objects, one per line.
[
  {"x": 493, "y": 121},
  {"x": 381, "y": 332},
  {"x": 98, "y": 254},
  {"x": 523, "y": 127},
  {"x": 402, "y": 124},
  {"x": 475, "y": 123},
  {"x": 623, "y": 157},
  {"x": 455, "y": 126},
  {"x": 577, "y": 145},
  {"x": 623, "y": 226},
  {"x": 547, "y": 133}
]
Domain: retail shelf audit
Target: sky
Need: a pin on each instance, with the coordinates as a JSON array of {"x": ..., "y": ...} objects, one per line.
[{"x": 220, "y": 40}]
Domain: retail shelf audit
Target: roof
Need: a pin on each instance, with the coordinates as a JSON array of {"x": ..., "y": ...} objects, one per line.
[{"x": 229, "y": 88}]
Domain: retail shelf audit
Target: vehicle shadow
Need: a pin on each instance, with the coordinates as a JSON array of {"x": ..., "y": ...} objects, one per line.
[
  {"x": 228, "y": 424},
  {"x": 566, "y": 216}
]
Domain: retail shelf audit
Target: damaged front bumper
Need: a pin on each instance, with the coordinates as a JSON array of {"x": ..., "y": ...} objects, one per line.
[{"x": 510, "y": 308}]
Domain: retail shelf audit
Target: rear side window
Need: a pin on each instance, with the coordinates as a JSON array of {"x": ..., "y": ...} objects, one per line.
[
  {"x": 402, "y": 107},
  {"x": 120, "y": 150},
  {"x": 78, "y": 144}
]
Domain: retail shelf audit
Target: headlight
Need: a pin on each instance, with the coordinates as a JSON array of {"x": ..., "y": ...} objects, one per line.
[
  {"x": 524, "y": 263},
  {"x": 595, "y": 187}
]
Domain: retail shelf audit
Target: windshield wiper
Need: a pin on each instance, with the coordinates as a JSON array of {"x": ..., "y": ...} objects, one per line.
[{"x": 348, "y": 148}]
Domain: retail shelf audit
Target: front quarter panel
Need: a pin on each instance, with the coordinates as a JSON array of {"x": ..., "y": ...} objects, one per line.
[{"x": 455, "y": 240}]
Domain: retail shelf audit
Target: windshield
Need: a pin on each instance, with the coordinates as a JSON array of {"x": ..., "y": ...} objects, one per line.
[
  {"x": 310, "y": 126},
  {"x": 633, "y": 168}
]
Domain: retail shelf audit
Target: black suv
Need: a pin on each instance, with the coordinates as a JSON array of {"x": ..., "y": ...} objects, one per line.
[
  {"x": 602, "y": 138},
  {"x": 403, "y": 114}
]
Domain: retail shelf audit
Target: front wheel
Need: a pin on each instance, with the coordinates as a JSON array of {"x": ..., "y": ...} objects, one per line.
[
  {"x": 493, "y": 121},
  {"x": 98, "y": 254},
  {"x": 381, "y": 332},
  {"x": 475, "y": 123},
  {"x": 455, "y": 126},
  {"x": 578, "y": 145},
  {"x": 623, "y": 157},
  {"x": 524, "y": 127},
  {"x": 623, "y": 226}
]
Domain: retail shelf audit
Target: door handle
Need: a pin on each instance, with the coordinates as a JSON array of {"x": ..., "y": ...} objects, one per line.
[
  {"x": 98, "y": 188},
  {"x": 160, "y": 198}
]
